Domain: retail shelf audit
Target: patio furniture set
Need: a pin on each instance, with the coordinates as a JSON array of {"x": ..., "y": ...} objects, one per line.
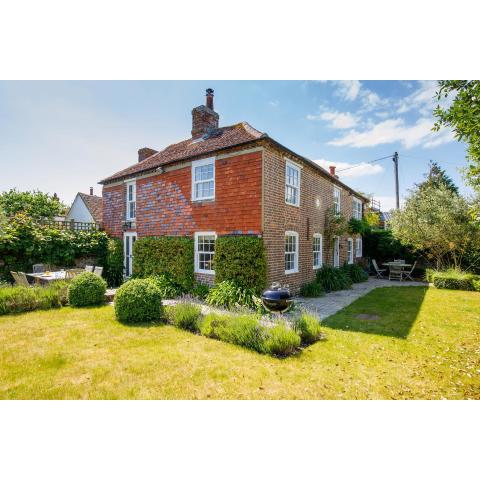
[
  {"x": 41, "y": 275},
  {"x": 397, "y": 270}
]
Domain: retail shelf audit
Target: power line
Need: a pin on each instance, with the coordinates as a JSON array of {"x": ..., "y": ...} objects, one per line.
[{"x": 363, "y": 163}]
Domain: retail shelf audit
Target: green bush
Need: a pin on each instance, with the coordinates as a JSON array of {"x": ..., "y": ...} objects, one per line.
[
  {"x": 185, "y": 316},
  {"x": 476, "y": 285},
  {"x": 228, "y": 294},
  {"x": 281, "y": 341},
  {"x": 200, "y": 290},
  {"x": 312, "y": 289},
  {"x": 333, "y": 279},
  {"x": 113, "y": 263},
  {"x": 245, "y": 331},
  {"x": 355, "y": 272},
  {"x": 214, "y": 325},
  {"x": 19, "y": 299},
  {"x": 138, "y": 301},
  {"x": 308, "y": 327},
  {"x": 160, "y": 255},
  {"x": 429, "y": 273},
  {"x": 454, "y": 280},
  {"x": 168, "y": 287},
  {"x": 241, "y": 259},
  {"x": 86, "y": 289},
  {"x": 356, "y": 226}
]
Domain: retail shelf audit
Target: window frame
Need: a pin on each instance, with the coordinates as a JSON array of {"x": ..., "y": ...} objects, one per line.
[
  {"x": 128, "y": 202},
  {"x": 298, "y": 168},
  {"x": 358, "y": 241},
  {"x": 290, "y": 233},
  {"x": 357, "y": 208},
  {"x": 197, "y": 251},
  {"x": 201, "y": 163},
  {"x": 335, "y": 190},
  {"x": 320, "y": 252},
  {"x": 350, "y": 251}
]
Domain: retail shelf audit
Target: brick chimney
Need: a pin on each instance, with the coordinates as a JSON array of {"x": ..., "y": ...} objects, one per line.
[
  {"x": 145, "y": 152},
  {"x": 91, "y": 190},
  {"x": 204, "y": 117},
  {"x": 332, "y": 170}
]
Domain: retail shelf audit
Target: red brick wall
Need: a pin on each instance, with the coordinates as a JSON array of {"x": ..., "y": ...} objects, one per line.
[{"x": 113, "y": 209}]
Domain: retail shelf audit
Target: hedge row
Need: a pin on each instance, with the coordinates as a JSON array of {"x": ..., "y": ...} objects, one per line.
[{"x": 454, "y": 280}]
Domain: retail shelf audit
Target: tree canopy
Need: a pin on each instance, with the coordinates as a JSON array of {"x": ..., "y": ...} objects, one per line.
[
  {"x": 463, "y": 117},
  {"x": 436, "y": 177}
]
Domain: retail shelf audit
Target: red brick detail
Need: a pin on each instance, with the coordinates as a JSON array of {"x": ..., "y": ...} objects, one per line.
[{"x": 113, "y": 209}]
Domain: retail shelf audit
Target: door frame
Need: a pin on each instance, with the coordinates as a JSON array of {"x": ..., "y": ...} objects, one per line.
[
  {"x": 336, "y": 252},
  {"x": 127, "y": 235}
]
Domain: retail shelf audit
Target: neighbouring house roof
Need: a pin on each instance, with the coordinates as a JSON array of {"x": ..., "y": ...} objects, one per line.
[
  {"x": 94, "y": 205},
  {"x": 218, "y": 139},
  {"x": 385, "y": 216}
]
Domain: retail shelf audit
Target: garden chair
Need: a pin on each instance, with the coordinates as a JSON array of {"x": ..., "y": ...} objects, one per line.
[
  {"x": 409, "y": 274},
  {"x": 379, "y": 271},
  {"x": 395, "y": 272},
  {"x": 98, "y": 271},
  {"x": 20, "y": 279},
  {"x": 39, "y": 268},
  {"x": 89, "y": 268}
]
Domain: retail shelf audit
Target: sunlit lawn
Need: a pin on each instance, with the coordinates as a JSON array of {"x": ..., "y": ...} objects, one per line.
[{"x": 414, "y": 343}]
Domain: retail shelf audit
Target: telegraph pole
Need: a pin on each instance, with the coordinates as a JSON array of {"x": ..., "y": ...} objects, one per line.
[{"x": 397, "y": 195}]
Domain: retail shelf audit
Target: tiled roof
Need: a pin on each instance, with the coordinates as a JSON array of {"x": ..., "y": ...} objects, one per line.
[
  {"x": 220, "y": 138},
  {"x": 94, "y": 205}
]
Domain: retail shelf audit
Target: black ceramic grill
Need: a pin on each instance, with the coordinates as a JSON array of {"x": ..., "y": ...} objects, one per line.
[{"x": 276, "y": 298}]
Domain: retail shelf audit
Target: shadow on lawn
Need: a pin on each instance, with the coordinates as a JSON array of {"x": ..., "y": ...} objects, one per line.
[{"x": 390, "y": 311}]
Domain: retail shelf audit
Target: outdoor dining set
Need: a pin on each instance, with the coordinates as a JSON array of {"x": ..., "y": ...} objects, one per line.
[
  {"x": 397, "y": 270},
  {"x": 42, "y": 275}
]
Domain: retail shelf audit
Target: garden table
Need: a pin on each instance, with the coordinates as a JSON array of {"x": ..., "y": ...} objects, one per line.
[
  {"x": 397, "y": 264},
  {"x": 43, "y": 277}
]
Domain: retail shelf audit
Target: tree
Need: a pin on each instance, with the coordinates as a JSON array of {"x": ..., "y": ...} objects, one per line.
[
  {"x": 463, "y": 117},
  {"x": 436, "y": 177},
  {"x": 35, "y": 204},
  {"x": 437, "y": 221}
]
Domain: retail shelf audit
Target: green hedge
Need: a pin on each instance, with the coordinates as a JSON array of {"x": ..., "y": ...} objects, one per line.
[
  {"x": 113, "y": 263},
  {"x": 160, "y": 255},
  {"x": 241, "y": 259},
  {"x": 455, "y": 280}
]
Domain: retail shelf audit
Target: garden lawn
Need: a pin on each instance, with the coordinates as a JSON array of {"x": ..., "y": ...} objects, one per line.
[{"x": 411, "y": 342}]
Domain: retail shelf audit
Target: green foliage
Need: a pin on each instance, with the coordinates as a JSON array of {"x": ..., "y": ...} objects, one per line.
[
  {"x": 26, "y": 241},
  {"x": 281, "y": 341},
  {"x": 383, "y": 246},
  {"x": 355, "y": 272},
  {"x": 372, "y": 218},
  {"x": 168, "y": 287},
  {"x": 35, "y": 204},
  {"x": 455, "y": 280},
  {"x": 241, "y": 259},
  {"x": 308, "y": 327},
  {"x": 86, "y": 289},
  {"x": 429, "y": 273},
  {"x": 437, "y": 177},
  {"x": 185, "y": 316},
  {"x": 171, "y": 255},
  {"x": 462, "y": 117},
  {"x": 356, "y": 226},
  {"x": 200, "y": 290},
  {"x": 245, "y": 331},
  {"x": 311, "y": 289},
  {"x": 138, "y": 301},
  {"x": 476, "y": 284},
  {"x": 335, "y": 226},
  {"x": 214, "y": 325},
  {"x": 113, "y": 263},
  {"x": 333, "y": 279},
  {"x": 228, "y": 294},
  {"x": 19, "y": 299}
]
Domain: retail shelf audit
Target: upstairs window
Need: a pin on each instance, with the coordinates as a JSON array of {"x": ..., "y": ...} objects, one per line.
[
  {"x": 204, "y": 252},
  {"x": 291, "y": 252},
  {"x": 317, "y": 250},
  {"x": 357, "y": 209},
  {"x": 292, "y": 184},
  {"x": 336, "y": 201},
  {"x": 358, "y": 247},
  {"x": 131, "y": 201},
  {"x": 203, "y": 179},
  {"x": 350, "y": 250}
]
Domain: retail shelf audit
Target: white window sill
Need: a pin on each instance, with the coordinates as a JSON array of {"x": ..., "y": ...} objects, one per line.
[
  {"x": 317, "y": 267},
  {"x": 205, "y": 272},
  {"x": 206, "y": 199},
  {"x": 288, "y": 272},
  {"x": 292, "y": 204}
]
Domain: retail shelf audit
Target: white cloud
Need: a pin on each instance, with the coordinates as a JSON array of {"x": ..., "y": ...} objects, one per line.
[
  {"x": 392, "y": 131},
  {"x": 361, "y": 169},
  {"x": 422, "y": 100},
  {"x": 274, "y": 103},
  {"x": 348, "y": 89},
  {"x": 338, "y": 120}
]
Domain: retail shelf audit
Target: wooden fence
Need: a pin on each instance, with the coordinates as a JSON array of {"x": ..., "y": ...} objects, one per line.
[{"x": 71, "y": 225}]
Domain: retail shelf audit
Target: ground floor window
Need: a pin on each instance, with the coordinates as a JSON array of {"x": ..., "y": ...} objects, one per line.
[
  {"x": 358, "y": 247},
  {"x": 336, "y": 251},
  {"x": 291, "y": 252},
  {"x": 350, "y": 250},
  {"x": 204, "y": 252},
  {"x": 317, "y": 250}
]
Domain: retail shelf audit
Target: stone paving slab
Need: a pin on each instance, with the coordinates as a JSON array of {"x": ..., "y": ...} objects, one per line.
[{"x": 331, "y": 303}]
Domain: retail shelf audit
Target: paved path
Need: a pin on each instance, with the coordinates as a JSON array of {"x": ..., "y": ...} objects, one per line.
[{"x": 333, "y": 302}]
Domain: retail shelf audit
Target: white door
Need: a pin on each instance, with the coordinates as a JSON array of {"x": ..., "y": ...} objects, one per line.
[
  {"x": 336, "y": 252},
  {"x": 128, "y": 242}
]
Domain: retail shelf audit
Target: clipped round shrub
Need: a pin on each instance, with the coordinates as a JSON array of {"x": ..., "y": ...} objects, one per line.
[
  {"x": 281, "y": 341},
  {"x": 214, "y": 325},
  {"x": 185, "y": 316},
  {"x": 138, "y": 301},
  {"x": 86, "y": 289},
  {"x": 308, "y": 327}
]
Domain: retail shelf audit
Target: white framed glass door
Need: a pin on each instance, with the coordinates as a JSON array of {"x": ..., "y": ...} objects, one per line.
[
  {"x": 128, "y": 242},
  {"x": 336, "y": 252}
]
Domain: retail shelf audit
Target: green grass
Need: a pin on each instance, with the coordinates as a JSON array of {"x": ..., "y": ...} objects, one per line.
[{"x": 425, "y": 343}]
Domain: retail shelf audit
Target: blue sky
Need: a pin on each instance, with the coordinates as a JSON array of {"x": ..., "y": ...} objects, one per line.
[{"x": 64, "y": 137}]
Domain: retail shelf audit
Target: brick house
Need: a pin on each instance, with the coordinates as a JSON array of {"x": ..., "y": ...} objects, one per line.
[{"x": 233, "y": 180}]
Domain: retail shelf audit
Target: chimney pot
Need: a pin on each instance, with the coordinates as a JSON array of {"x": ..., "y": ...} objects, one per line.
[
  {"x": 91, "y": 190},
  {"x": 332, "y": 170},
  {"x": 209, "y": 101},
  {"x": 204, "y": 117}
]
